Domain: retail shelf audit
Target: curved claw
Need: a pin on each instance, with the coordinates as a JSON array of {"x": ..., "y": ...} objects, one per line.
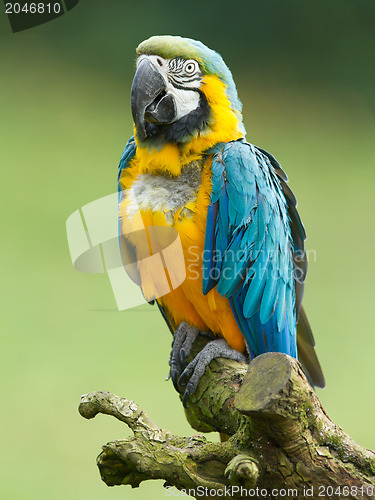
[
  {"x": 194, "y": 370},
  {"x": 183, "y": 341}
]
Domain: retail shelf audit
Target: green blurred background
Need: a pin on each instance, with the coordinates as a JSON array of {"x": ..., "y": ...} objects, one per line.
[{"x": 305, "y": 73}]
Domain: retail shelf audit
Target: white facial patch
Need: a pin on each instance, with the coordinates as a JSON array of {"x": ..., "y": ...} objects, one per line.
[{"x": 186, "y": 99}]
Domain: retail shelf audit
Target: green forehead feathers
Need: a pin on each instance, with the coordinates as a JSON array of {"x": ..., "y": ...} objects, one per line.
[
  {"x": 210, "y": 62},
  {"x": 169, "y": 47}
]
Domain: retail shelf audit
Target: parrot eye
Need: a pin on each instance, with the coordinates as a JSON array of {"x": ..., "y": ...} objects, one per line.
[{"x": 190, "y": 67}]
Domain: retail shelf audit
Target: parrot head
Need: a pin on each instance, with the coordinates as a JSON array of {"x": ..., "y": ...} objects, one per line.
[{"x": 183, "y": 94}]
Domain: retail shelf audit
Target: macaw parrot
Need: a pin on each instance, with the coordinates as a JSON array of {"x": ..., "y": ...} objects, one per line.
[{"x": 189, "y": 167}]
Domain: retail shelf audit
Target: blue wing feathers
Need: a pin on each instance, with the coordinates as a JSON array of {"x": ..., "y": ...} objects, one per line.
[
  {"x": 269, "y": 299},
  {"x": 281, "y": 306},
  {"x": 127, "y": 250},
  {"x": 236, "y": 305},
  {"x": 250, "y": 231},
  {"x": 210, "y": 240},
  {"x": 257, "y": 277},
  {"x": 127, "y": 155},
  {"x": 254, "y": 244}
]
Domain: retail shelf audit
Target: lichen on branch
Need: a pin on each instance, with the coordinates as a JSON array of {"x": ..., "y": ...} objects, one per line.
[{"x": 280, "y": 438}]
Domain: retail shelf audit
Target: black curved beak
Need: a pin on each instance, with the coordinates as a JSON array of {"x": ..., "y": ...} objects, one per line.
[{"x": 149, "y": 101}]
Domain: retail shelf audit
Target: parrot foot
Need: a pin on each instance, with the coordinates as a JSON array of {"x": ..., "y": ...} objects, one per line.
[
  {"x": 194, "y": 370},
  {"x": 183, "y": 341}
]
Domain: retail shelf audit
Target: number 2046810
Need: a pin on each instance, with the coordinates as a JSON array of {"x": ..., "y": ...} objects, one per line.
[
  {"x": 33, "y": 8},
  {"x": 346, "y": 491}
]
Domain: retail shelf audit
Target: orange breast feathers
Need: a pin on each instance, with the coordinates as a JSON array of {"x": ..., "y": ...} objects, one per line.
[{"x": 141, "y": 210}]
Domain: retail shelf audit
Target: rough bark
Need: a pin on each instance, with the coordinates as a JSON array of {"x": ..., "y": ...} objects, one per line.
[{"x": 282, "y": 443}]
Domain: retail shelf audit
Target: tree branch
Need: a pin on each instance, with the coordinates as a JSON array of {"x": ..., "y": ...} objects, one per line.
[{"x": 281, "y": 439}]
